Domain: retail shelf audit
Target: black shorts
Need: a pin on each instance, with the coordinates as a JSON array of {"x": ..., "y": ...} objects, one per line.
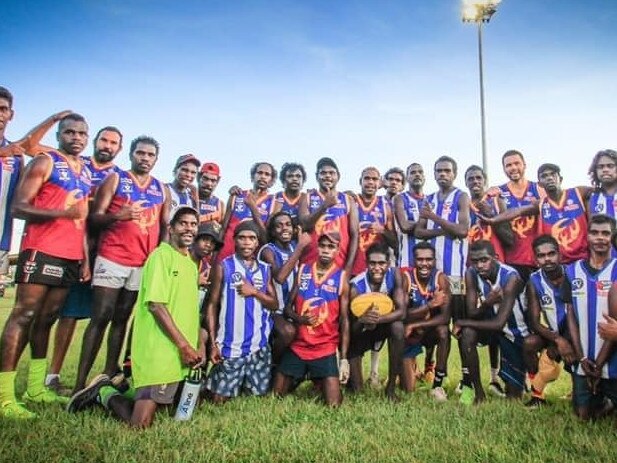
[
  {"x": 293, "y": 366},
  {"x": 368, "y": 340},
  {"x": 36, "y": 267}
]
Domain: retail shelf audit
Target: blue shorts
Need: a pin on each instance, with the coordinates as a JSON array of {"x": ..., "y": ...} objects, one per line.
[
  {"x": 251, "y": 373},
  {"x": 78, "y": 302},
  {"x": 293, "y": 366},
  {"x": 512, "y": 368},
  {"x": 412, "y": 351},
  {"x": 583, "y": 397}
]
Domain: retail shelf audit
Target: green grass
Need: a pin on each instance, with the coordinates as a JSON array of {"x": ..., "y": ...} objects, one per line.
[{"x": 299, "y": 428}]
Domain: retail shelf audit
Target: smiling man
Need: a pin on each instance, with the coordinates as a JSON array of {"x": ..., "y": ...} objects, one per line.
[
  {"x": 292, "y": 177},
  {"x": 53, "y": 200},
  {"x": 167, "y": 339},
  {"x": 132, "y": 209},
  {"x": 182, "y": 191}
]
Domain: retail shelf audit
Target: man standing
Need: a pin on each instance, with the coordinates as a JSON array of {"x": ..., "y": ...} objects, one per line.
[
  {"x": 78, "y": 305},
  {"x": 376, "y": 223},
  {"x": 518, "y": 192},
  {"x": 394, "y": 182},
  {"x": 593, "y": 284},
  {"x": 255, "y": 204},
  {"x": 239, "y": 320},
  {"x": 319, "y": 308},
  {"x": 292, "y": 177},
  {"x": 10, "y": 170},
  {"x": 326, "y": 210},
  {"x": 407, "y": 213},
  {"x": 182, "y": 191},
  {"x": 167, "y": 339},
  {"x": 495, "y": 307},
  {"x": 547, "y": 308},
  {"x": 427, "y": 319},
  {"x": 53, "y": 200},
  {"x": 371, "y": 328},
  {"x": 131, "y": 208},
  {"x": 211, "y": 208}
]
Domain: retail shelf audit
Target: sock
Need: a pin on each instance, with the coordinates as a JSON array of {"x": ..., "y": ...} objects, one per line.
[
  {"x": 536, "y": 393},
  {"x": 494, "y": 375},
  {"x": 439, "y": 376},
  {"x": 36, "y": 376},
  {"x": 106, "y": 393},
  {"x": 50, "y": 377},
  {"x": 130, "y": 392},
  {"x": 466, "y": 379},
  {"x": 7, "y": 386},
  {"x": 374, "y": 362}
]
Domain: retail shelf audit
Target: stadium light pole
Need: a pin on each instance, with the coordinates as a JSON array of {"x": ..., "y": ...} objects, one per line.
[{"x": 480, "y": 12}]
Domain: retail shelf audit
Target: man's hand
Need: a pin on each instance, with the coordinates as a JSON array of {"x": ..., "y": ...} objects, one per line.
[
  {"x": 343, "y": 368},
  {"x": 215, "y": 353},
  {"x": 307, "y": 319},
  {"x": 438, "y": 300},
  {"x": 370, "y": 317},
  {"x": 77, "y": 211},
  {"x": 589, "y": 367},
  {"x": 330, "y": 199},
  {"x": 426, "y": 212},
  {"x": 128, "y": 212},
  {"x": 304, "y": 239},
  {"x": 608, "y": 329},
  {"x": 245, "y": 289},
  {"x": 565, "y": 350},
  {"x": 484, "y": 208},
  {"x": 189, "y": 356},
  {"x": 456, "y": 330},
  {"x": 494, "y": 296},
  {"x": 84, "y": 273},
  {"x": 235, "y": 191}
]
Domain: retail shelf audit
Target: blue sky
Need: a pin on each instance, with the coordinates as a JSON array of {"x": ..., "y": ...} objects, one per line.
[{"x": 380, "y": 83}]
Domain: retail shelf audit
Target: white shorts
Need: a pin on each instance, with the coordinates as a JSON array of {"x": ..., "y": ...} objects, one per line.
[
  {"x": 108, "y": 274},
  {"x": 4, "y": 262},
  {"x": 457, "y": 285}
]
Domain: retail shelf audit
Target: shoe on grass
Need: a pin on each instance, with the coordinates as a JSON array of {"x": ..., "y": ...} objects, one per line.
[
  {"x": 373, "y": 380},
  {"x": 535, "y": 402},
  {"x": 87, "y": 397},
  {"x": 15, "y": 410},
  {"x": 59, "y": 388},
  {"x": 46, "y": 396},
  {"x": 467, "y": 396},
  {"x": 439, "y": 394},
  {"x": 495, "y": 389},
  {"x": 119, "y": 381},
  {"x": 459, "y": 388}
]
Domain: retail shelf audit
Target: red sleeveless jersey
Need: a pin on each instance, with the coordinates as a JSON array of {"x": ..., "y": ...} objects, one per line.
[
  {"x": 129, "y": 242},
  {"x": 566, "y": 221},
  {"x": 335, "y": 218},
  {"x": 63, "y": 238},
  {"x": 321, "y": 298},
  {"x": 375, "y": 213},
  {"x": 479, "y": 230}
]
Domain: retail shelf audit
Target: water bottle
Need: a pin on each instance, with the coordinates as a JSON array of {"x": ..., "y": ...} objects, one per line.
[{"x": 189, "y": 396}]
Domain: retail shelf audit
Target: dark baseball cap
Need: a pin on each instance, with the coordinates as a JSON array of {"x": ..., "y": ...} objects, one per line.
[
  {"x": 187, "y": 158},
  {"x": 211, "y": 229},
  {"x": 330, "y": 235}
]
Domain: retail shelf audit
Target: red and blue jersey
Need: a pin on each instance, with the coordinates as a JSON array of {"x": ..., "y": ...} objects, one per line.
[
  {"x": 566, "y": 221},
  {"x": 407, "y": 241},
  {"x": 590, "y": 303},
  {"x": 479, "y": 230},
  {"x": 550, "y": 300},
  {"x": 98, "y": 172},
  {"x": 450, "y": 253},
  {"x": 64, "y": 188},
  {"x": 211, "y": 209},
  {"x": 241, "y": 212},
  {"x": 129, "y": 242},
  {"x": 334, "y": 219},
  {"x": 320, "y": 297},
  {"x": 10, "y": 170},
  {"x": 419, "y": 292},
  {"x": 377, "y": 212},
  {"x": 288, "y": 205},
  {"x": 524, "y": 227},
  {"x": 244, "y": 324}
]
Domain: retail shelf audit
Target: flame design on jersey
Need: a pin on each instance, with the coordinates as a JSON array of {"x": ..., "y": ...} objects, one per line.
[
  {"x": 147, "y": 217},
  {"x": 326, "y": 222},
  {"x": 76, "y": 197},
  {"x": 521, "y": 225},
  {"x": 476, "y": 233},
  {"x": 566, "y": 232},
  {"x": 318, "y": 307}
]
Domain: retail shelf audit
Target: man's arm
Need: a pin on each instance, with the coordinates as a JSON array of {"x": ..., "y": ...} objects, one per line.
[
  {"x": 353, "y": 226},
  {"x": 442, "y": 304},
  {"x": 31, "y": 182},
  {"x": 267, "y": 299},
  {"x": 281, "y": 273},
  {"x": 308, "y": 220},
  {"x": 471, "y": 295},
  {"x": 249, "y": 201},
  {"x": 344, "y": 319},
  {"x": 190, "y": 357},
  {"x": 164, "y": 217},
  {"x": 458, "y": 229},
  {"x": 227, "y": 217},
  {"x": 99, "y": 217},
  {"x": 511, "y": 214},
  {"x": 511, "y": 290},
  {"x": 406, "y": 226},
  {"x": 398, "y": 297},
  {"x": 503, "y": 230},
  {"x": 212, "y": 312},
  {"x": 607, "y": 347},
  {"x": 389, "y": 232},
  {"x": 533, "y": 307}
]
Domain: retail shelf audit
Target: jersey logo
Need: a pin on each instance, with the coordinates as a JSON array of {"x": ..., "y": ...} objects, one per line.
[
  {"x": 546, "y": 301},
  {"x": 577, "y": 284},
  {"x": 236, "y": 278},
  {"x": 566, "y": 233},
  {"x": 317, "y": 307}
]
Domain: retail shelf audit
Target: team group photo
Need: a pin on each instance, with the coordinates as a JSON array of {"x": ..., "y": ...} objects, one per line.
[{"x": 163, "y": 301}]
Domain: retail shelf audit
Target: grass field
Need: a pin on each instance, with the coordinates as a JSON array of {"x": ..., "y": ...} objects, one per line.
[{"x": 366, "y": 428}]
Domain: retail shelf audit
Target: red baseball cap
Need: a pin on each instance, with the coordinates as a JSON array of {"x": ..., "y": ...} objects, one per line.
[
  {"x": 187, "y": 158},
  {"x": 210, "y": 168}
]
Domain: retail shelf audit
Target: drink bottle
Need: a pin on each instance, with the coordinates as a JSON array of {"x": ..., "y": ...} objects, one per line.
[{"x": 189, "y": 396}]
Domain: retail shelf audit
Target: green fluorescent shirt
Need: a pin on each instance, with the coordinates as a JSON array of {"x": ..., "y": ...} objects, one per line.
[{"x": 168, "y": 278}]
